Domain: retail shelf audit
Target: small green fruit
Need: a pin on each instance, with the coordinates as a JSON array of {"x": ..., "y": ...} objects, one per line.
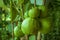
[
  {"x": 29, "y": 26},
  {"x": 46, "y": 24},
  {"x": 34, "y": 12},
  {"x": 18, "y": 32}
]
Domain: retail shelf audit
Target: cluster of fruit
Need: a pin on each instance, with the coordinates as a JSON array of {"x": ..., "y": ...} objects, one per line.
[{"x": 35, "y": 21}]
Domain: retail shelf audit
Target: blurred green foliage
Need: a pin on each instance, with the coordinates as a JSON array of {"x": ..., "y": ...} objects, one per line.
[{"x": 53, "y": 12}]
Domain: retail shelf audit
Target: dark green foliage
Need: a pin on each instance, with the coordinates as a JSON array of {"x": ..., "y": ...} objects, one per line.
[
  {"x": 7, "y": 2},
  {"x": 54, "y": 13}
]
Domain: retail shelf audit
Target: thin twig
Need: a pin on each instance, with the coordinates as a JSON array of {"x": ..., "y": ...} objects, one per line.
[
  {"x": 22, "y": 11},
  {"x": 12, "y": 31},
  {"x": 38, "y": 36},
  {"x": 34, "y": 3},
  {"x": 44, "y": 1}
]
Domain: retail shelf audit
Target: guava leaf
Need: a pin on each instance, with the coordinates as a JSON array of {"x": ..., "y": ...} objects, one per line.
[
  {"x": 32, "y": 37},
  {"x": 1, "y": 3}
]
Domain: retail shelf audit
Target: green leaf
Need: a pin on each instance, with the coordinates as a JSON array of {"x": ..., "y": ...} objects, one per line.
[
  {"x": 6, "y": 2},
  {"x": 1, "y": 3},
  {"x": 32, "y": 37}
]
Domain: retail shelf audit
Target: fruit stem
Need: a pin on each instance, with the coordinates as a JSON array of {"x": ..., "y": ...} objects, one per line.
[
  {"x": 21, "y": 38},
  {"x": 12, "y": 31},
  {"x": 44, "y": 2},
  {"x": 38, "y": 36},
  {"x": 26, "y": 36},
  {"x": 22, "y": 11},
  {"x": 34, "y": 3}
]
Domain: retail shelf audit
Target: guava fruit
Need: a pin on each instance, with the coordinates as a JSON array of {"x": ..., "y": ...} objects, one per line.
[
  {"x": 34, "y": 12},
  {"x": 46, "y": 25},
  {"x": 18, "y": 32},
  {"x": 29, "y": 26}
]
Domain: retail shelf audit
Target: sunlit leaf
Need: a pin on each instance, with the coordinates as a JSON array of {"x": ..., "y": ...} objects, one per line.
[
  {"x": 1, "y": 3},
  {"x": 32, "y": 37}
]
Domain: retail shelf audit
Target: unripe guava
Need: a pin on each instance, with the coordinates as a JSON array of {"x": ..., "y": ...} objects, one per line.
[
  {"x": 18, "y": 32},
  {"x": 29, "y": 26},
  {"x": 46, "y": 25},
  {"x": 34, "y": 12}
]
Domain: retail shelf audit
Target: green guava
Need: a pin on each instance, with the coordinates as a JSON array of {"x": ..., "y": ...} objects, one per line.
[
  {"x": 34, "y": 12},
  {"x": 29, "y": 26},
  {"x": 18, "y": 32},
  {"x": 46, "y": 25}
]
